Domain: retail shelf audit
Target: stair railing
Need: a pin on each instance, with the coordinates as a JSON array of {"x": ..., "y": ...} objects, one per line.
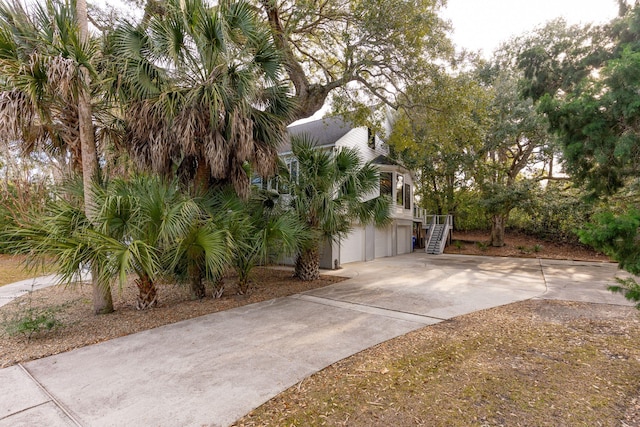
[
  {"x": 432, "y": 226},
  {"x": 447, "y": 222}
]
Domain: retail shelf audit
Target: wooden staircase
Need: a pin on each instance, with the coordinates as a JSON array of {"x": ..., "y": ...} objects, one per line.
[{"x": 438, "y": 234}]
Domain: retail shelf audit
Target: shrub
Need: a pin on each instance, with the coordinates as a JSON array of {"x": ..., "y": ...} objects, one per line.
[{"x": 31, "y": 320}]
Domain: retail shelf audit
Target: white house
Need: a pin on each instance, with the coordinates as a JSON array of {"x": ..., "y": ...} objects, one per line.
[{"x": 366, "y": 243}]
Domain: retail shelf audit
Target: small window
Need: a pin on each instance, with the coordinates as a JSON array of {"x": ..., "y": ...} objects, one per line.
[
  {"x": 371, "y": 138},
  {"x": 386, "y": 189},
  {"x": 256, "y": 181},
  {"x": 400, "y": 190},
  {"x": 293, "y": 167},
  {"x": 293, "y": 170},
  {"x": 270, "y": 183},
  {"x": 280, "y": 186},
  {"x": 407, "y": 196}
]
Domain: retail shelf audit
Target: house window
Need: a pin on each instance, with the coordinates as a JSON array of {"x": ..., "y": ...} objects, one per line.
[
  {"x": 407, "y": 196},
  {"x": 264, "y": 183},
  {"x": 371, "y": 138},
  {"x": 293, "y": 170},
  {"x": 272, "y": 184},
  {"x": 386, "y": 189},
  {"x": 399, "y": 190},
  {"x": 256, "y": 181}
]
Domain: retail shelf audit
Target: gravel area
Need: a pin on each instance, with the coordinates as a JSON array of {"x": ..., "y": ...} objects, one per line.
[{"x": 76, "y": 325}]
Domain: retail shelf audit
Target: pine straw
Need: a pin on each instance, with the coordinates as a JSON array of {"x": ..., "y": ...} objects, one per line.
[
  {"x": 520, "y": 245},
  {"x": 72, "y": 308},
  {"x": 533, "y": 363}
]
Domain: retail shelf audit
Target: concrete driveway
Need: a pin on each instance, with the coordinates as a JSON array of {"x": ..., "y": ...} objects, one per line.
[{"x": 214, "y": 369}]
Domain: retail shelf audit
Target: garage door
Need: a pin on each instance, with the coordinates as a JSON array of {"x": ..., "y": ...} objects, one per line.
[
  {"x": 383, "y": 242},
  {"x": 352, "y": 247},
  {"x": 404, "y": 240}
]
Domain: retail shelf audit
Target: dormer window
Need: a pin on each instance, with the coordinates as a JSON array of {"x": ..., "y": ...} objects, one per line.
[
  {"x": 399, "y": 190},
  {"x": 386, "y": 186},
  {"x": 407, "y": 196}
]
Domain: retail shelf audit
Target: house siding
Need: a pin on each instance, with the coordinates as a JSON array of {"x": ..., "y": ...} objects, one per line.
[{"x": 367, "y": 243}]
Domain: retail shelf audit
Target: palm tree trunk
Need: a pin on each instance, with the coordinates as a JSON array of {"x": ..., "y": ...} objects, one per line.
[
  {"x": 102, "y": 300},
  {"x": 201, "y": 179},
  {"x": 308, "y": 265},
  {"x": 198, "y": 291},
  {"x": 147, "y": 293}
]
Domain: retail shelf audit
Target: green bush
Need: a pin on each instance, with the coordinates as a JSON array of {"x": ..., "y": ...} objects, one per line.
[
  {"x": 553, "y": 215},
  {"x": 629, "y": 288},
  {"x": 31, "y": 320},
  {"x": 470, "y": 214}
]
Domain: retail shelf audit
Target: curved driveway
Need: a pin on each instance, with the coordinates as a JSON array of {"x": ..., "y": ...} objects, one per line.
[{"x": 213, "y": 369}]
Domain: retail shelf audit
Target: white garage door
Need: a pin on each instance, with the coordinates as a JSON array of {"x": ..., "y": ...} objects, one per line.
[
  {"x": 352, "y": 247},
  {"x": 404, "y": 240},
  {"x": 383, "y": 242}
]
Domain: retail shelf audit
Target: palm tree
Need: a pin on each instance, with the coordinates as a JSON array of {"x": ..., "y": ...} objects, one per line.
[
  {"x": 65, "y": 236},
  {"x": 45, "y": 63},
  {"x": 183, "y": 238},
  {"x": 203, "y": 247},
  {"x": 262, "y": 230},
  {"x": 144, "y": 226},
  {"x": 328, "y": 195},
  {"x": 145, "y": 212},
  {"x": 201, "y": 93}
]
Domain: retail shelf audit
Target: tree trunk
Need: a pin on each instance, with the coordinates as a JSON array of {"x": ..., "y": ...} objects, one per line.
[
  {"x": 498, "y": 222},
  {"x": 102, "y": 300},
  {"x": 198, "y": 291},
  {"x": 202, "y": 177},
  {"x": 218, "y": 288},
  {"x": 308, "y": 265},
  {"x": 147, "y": 293},
  {"x": 309, "y": 97}
]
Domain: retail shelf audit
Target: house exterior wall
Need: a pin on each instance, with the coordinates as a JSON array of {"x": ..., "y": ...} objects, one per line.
[
  {"x": 367, "y": 243},
  {"x": 358, "y": 138}
]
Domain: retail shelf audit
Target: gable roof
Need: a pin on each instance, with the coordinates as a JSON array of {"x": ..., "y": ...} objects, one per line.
[
  {"x": 384, "y": 160},
  {"x": 324, "y": 131}
]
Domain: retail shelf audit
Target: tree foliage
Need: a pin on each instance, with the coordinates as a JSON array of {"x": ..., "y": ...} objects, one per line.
[
  {"x": 360, "y": 53},
  {"x": 201, "y": 92},
  {"x": 41, "y": 53},
  {"x": 554, "y": 57},
  {"x": 46, "y": 60},
  {"x": 441, "y": 143},
  {"x": 515, "y": 143},
  {"x": 616, "y": 236},
  {"x": 598, "y": 125}
]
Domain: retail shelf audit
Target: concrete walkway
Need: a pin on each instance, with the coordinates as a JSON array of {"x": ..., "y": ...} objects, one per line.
[
  {"x": 214, "y": 369},
  {"x": 14, "y": 290}
]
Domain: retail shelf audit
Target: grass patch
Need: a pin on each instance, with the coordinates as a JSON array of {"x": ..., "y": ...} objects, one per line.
[
  {"x": 12, "y": 270},
  {"x": 536, "y": 363}
]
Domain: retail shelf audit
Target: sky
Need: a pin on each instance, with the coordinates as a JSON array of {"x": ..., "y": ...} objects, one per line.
[{"x": 484, "y": 24}]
